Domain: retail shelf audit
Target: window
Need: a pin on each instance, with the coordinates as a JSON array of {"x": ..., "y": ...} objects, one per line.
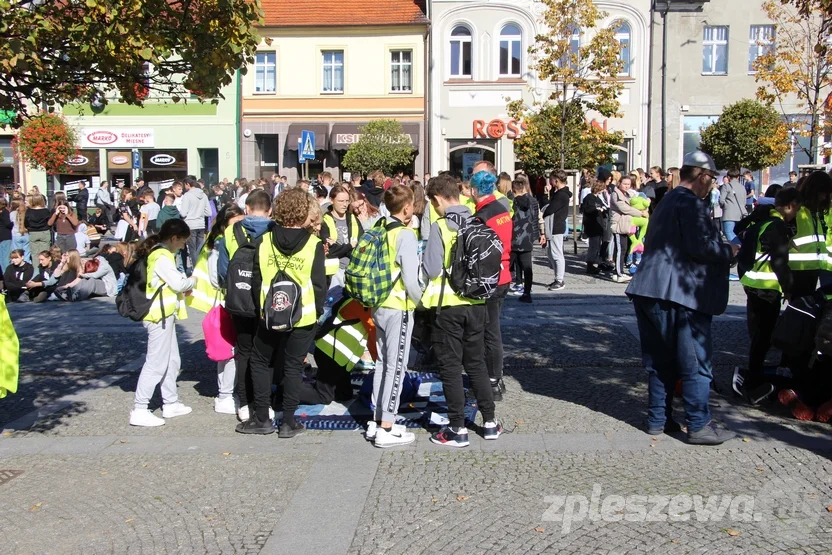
[
  {"x": 572, "y": 58},
  {"x": 265, "y": 74},
  {"x": 209, "y": 162},
  {"x": 268, "y": 150},
  {"x": 715, "y": 51},
  {"x": 622, "y": 35},
  {"x": 511, "y": 41},
  {"x": 761, "y": 43},
  {"x": 691, "y": 134},
  {"x": 401, "y": 69},
  {"x": 461, "y": 52},
  {"x": 333, "y": 62}
]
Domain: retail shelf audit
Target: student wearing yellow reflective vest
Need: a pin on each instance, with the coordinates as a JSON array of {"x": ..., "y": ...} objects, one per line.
[
  {"x": 765, "y": 283},
  {"x": 458, "y": 331},
  {"x": 208, "y": 293},
  {"x": 162, "y": 361},
  {"x": 257, "y": 222},
  {"x": 340, "y": 231},
  {"x": 808, "y": 253},
  {"x": 394, "y": 320},
  {"x": 291, "y": 248},
  {"x": 343, "y": 338}
]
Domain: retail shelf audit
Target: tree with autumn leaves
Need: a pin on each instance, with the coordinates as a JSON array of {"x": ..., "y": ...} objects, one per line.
[
  {"x": 55, "y": 53},
  {"x": 582, "y": 61}
]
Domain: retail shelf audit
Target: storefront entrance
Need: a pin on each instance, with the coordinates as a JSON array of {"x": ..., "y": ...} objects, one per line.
[
  {"x": 160, "y": 168},
  {"x": 463, "y": 154}
]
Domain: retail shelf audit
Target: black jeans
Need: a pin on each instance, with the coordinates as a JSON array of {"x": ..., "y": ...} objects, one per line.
[
  {"x": 458, "y": 343},
  {"x": 246, "y": 328},
  {"x": 493, "y": 335},
  {"x": 523, "y": 270},
  {"x": 332, "y": 383},
  {"x": 194, "y": 244},
  {"x": 278, "y": 357},
  {"x": 762, "y": 317},
  {"x": 620, "y": 247}
]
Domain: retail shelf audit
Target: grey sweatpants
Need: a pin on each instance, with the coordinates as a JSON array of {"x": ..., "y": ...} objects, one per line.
[
  {"x": 226, "y": 373},
  {"x": 393, "y": 331},
  {"x": 555, "y": 252},
  {"x": 161, "y": 364}
]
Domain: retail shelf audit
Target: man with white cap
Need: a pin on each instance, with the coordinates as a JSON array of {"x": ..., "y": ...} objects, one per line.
[{"x": 681, "y": 284}]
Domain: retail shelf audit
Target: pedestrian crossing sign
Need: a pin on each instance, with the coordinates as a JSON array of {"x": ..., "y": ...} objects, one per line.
[{"x": 307, "y": 141}]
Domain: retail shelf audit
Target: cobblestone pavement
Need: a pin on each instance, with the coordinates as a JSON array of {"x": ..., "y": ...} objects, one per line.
[{"x": 76, "y": 478}]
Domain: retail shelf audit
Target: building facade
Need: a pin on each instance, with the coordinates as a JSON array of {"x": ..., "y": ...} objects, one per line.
[
  {"x": 330, "y": 68},
  {"x": 708, "y": 48},
  {"x": 479, "y": 61}
]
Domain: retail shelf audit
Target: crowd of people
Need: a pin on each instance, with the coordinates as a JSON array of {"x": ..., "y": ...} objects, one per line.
[{"x": 247, "y": 253}]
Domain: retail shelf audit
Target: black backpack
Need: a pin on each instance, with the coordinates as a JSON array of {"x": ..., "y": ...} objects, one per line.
[
  {"x": 283, "y": 307},
  {"x": 132, "y": 301},
  {"x": 241, "y": 296},
  {"x": 476, "y": 259},
  {"x": 747, "y": 255}
]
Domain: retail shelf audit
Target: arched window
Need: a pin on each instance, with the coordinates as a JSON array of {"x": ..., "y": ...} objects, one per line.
[
  {"x": 622, "y": 35},
  {"x": 572, "y": 59},
  {"x": 461, "y": 51},
  {"x": 511, "y": 48}
]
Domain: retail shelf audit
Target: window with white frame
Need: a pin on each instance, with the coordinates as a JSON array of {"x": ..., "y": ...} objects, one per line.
[
  {"x": 265, "y": 72},
  {"x": 761, "y": 43},
  {"x": 715, "y": 50},
  {"x": 622, "y": 35},
  {"x": 461, "y": 46},
  {"x": 333, "y": 64},
  {"x": 572, "y": 58},
  {"x": 511, "y": 47},
  {"x": 401, "y": 70}
]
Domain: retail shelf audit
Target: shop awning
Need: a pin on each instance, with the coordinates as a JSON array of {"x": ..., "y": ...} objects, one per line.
[
  {"x": 321, "y": 131},
  {"x": 345, "y": 134}
]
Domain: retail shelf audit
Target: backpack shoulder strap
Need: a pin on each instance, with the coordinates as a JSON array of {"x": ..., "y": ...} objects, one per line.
[{"x": 240, "y": 234}]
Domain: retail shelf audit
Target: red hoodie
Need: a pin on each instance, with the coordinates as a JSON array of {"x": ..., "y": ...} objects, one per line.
[{"x": 495, "y": 216}]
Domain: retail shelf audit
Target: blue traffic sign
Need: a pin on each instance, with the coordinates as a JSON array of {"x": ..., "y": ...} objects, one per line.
[
  {"x": 137, "y": 162},
  {"x": 307, "y": 146}
]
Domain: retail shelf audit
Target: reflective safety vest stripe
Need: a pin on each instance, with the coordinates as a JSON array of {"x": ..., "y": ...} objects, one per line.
[
  {"x": 168, "y": 300},
  {"x": 498, "y": 195},
  {"x": 204, "y": 297},
  {"x": 334, "y": 264},
  {"x": 761, "y": 275},
  {"x": 433, "y": 215},
  {"x": 430, "y": 298},
  {"x": 298, "y": 267},
  {"x": 828, "y": 262},
  {"x": 809, "y": 250},
  {"x": 397, "y": 299},
  {"x": 345, "y": 344},
  {"x": 231, "y": 240}
]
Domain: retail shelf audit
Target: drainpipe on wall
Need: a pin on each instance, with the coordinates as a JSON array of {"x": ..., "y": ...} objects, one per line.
[
  {"x": 649, "y": 155},
  {"x": 664, "y": 88},
  {"x": 428, "y": 87},
  {"x": 237, "y": 124}
]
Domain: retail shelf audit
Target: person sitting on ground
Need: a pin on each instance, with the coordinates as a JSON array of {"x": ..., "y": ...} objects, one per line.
[
  {"x": 65, "y": 273},
  {"x": 82, "y": 239},
  {"x": 99, "y": 271},
  {"x": 16, "y": 277},
  {"x": 43, "y": 284}
]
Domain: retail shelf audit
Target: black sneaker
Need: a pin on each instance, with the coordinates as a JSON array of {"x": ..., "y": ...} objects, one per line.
[
  {"x": 287, "y": 430},
  {"x": 496, "y": 391},
  {"x": 670, "y": 427},
  {"x": 502, "y": 385},
  {"x": 450, "y": 437},
  {"x": 711, "y": 434},
  {"x": 254, "y": 426},
  {"x": 525, "y": 299},
  {"x": 592, "y": 269},
  {"x": 760, "y": 393},
  {"x": 557, "y": 286},
  {"x": 492, "y": 429}
]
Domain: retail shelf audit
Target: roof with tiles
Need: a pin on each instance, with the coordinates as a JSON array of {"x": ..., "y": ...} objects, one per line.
[{"x": 314, "y": 13}]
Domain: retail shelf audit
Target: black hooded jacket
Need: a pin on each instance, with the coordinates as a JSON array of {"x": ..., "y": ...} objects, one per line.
[
  {"x": 775, "y": 241},
  {"x": 290, "y": 241},
  {"x": 373, "y": 194}
]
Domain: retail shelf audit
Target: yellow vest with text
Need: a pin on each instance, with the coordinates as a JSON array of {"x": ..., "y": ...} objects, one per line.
[
  {"x": 808, "y": 250},
  {"x": 397, "y": 300},
  {"x": 430, "y": 299},
  {"x": 298, "y": 267},
  {"x": 345, "y": 343},
  {"x": 334, "y": 264},
  {"x": 168, "y": 301},
  {"x": 761, "y": 275},
  {"x": 204, "y": 297}
]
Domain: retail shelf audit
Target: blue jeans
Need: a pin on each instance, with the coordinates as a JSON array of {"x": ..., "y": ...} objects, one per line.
[
  {"x": 22, "y": 242},
  {"x": 676, "y": 343},
  {"x": 728, "y": 230},
  {"x": 5, "y": 251}
]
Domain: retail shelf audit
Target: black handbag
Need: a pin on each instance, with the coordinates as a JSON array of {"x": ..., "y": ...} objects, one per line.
[{"x": 795, "y": 331}]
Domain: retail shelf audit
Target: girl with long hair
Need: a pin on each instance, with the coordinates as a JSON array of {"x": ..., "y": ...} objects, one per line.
[
  {"x": 20, "y": 234},
  {"x": 162, "y": 360}
]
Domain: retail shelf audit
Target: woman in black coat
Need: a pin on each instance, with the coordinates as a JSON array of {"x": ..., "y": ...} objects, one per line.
[{"x": 596, "y": 223}]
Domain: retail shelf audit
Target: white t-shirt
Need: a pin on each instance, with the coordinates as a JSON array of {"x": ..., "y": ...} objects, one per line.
[
  {"x": 241, "y": 202},
  {"x": 151, "y": 209}
]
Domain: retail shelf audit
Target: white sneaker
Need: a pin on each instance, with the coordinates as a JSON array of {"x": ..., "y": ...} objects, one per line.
[
  {"x": 174, "y": 410},
  {"x": 372, "y": 429},
  {"x": 225, "y": 406},
  {"x": 622, "y": 279},
  {"x": 244, "y": 413},
  {"x": 393, "y": 438},
  {"x": 143, "y": 417}
]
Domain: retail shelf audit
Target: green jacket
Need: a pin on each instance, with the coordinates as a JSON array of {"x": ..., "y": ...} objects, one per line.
[{"x": 167, "y": 213}]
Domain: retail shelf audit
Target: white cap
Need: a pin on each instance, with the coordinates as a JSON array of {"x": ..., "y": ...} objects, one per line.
[{"x": 699, "y": 159}]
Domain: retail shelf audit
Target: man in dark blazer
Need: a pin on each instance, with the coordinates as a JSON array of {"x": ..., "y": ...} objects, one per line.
[{"x": 681, "y": 284}]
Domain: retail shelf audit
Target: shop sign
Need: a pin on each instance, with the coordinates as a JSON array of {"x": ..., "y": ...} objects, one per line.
[
  {"x": 352, "y": 138},
  {"x": 162, "y": 160},
  {"x": 83, "y": 161},
  {"x": 119, "y": 160},
  {"x": 77, "y": 160},
  {"x": 497, "y": 129},
  {"x": 174, "y": 159},
  {"x": 117, "y": 137}
]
